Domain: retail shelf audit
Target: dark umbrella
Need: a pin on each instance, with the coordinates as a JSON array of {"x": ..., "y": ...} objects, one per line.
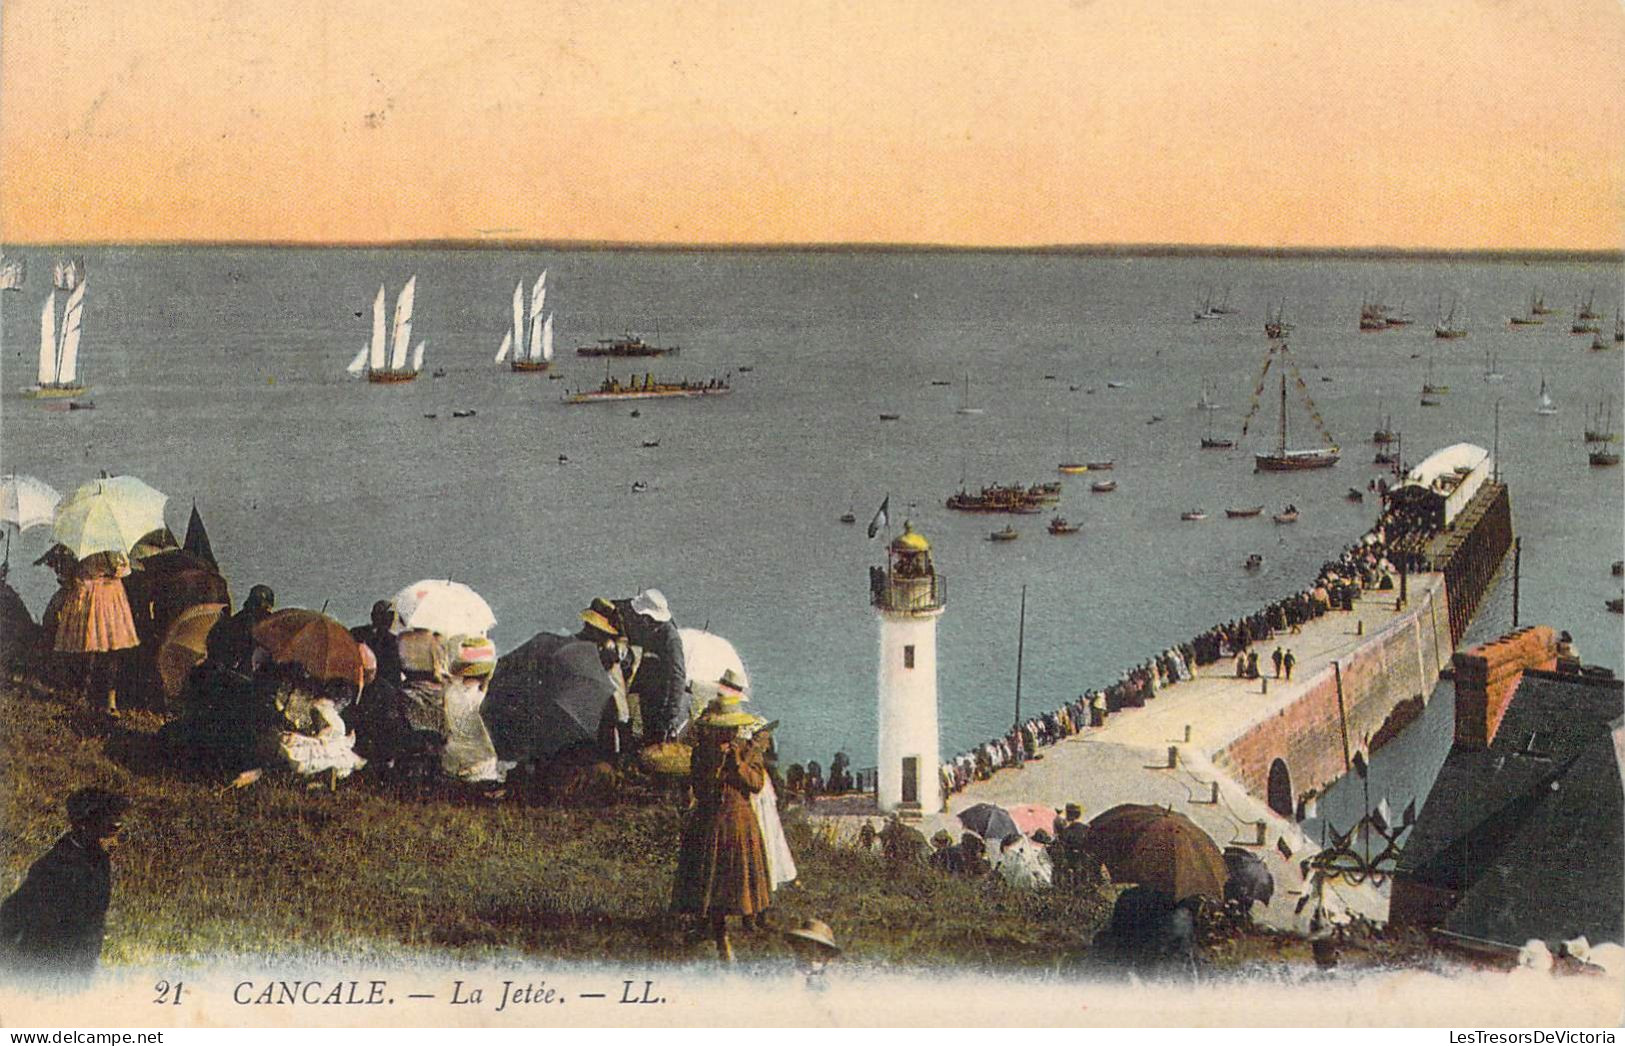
[
  {"x": 1250, "y": 879},
  {"x": 546, "y": 695},
  {"x": 312, "y": 642},
  {"x": 1158, "y": 848},
  {"x": 989, "y": 821}
]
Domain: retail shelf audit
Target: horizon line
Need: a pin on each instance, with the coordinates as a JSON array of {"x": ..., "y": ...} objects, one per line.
[{"x": 840, "y": 247}]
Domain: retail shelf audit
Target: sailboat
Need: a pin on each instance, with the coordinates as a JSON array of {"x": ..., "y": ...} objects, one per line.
[
  {"x": 1492, "y": 371},
  {"x": 964, "y": 400},
  {"x": 538, "y": 356},
  {"x": 1430, "y": 389},
  {"x": 68, "y": 273},
  {"x": 1275, "y": 324},
  {"x": 1373, "y": 317},
  {"x": 1224, "y": 308},
  {"x": 13, "y": 271},
  {"x": 1603, "y": 449},
  {"x": 1545, "y": 406},
  {"x": 384, "y": 361},
  {"x": 1588, "y": 310},
  {"x": 1385, "y": 434},
  {"x": 1284, "y": 460},
  {"x": 1586, "y": 321},
  {"x": 59, "y": 348},
  {"x": 1208, "y": 311},
  {"x": 1446, "y": 327},
  {"x": 1537, "y": 305},
  {"x": 1211, "y": 442},
  {"x": 1401, "y": 319},
  {"x": 1537, "y": 309},
  {"x": 1071, "y": 466}
]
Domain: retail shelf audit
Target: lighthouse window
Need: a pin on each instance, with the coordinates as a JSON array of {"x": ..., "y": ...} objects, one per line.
[{"x": 908, "y": 656}]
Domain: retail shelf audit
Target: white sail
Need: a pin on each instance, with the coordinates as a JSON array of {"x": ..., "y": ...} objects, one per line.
[
  {"x": 536, "y": 333},
  {"x": 519, "y": 320},
  {"x": 47, "y": 341},
  {"x": 358, "y": 364},
  {"x": 417, "y": 359},
  {"x": 547, "y": 339},
  {"x": 67, "y": 364},
  {"x": 507, "y": 343},
  {"x": 402, "y": 342},
  {"x": 12, "y": 272},
  {"x": 538, "y": 296},
  {"x": 375, "y": 349}
]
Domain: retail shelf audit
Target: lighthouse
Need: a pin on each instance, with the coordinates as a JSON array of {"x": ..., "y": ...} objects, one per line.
[{"x": 909, "y": 596}]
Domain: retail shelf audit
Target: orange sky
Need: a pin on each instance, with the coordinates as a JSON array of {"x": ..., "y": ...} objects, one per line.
[{"x": 1455, "y": 124}]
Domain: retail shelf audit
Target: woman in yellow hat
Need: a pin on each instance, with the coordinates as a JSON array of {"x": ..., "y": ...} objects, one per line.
[{"x": 722, "y": 865}]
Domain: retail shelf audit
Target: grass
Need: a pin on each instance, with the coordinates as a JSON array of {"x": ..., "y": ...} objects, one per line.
[{"x": 371, "y": 872}]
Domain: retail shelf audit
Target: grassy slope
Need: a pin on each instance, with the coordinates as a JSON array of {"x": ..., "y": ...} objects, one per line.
[{"x": 371, "y": 873}]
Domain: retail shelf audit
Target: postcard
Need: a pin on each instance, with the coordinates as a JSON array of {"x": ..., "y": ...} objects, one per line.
[{"x": 811, "y": 514}]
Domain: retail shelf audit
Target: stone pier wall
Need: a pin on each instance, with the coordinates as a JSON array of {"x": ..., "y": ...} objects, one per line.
[{"x": 1344, "y": 706}]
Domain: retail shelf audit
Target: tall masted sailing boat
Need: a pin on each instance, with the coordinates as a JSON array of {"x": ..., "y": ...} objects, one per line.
[
  {"x": 385, "y": 361},
  {"x": 58, "y": 376},
  {"x": 538, "y": 356},
  {"x": 1284, "y": 459},
  {"x": 13, "y": 271},
  {"x": 68, "y": 273}
]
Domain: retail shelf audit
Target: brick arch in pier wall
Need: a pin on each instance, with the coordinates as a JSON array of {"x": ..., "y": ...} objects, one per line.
[{"x": 1307, "y": 736}]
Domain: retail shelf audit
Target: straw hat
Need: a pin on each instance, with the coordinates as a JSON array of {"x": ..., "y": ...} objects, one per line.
[
  {"x": 724, "y": 711},
  {"x": 816, "y": 931},
  {"x": 651, "y": 602},
  {"x": 474, "y": 656},
  {"x": 599, "y": 623}
]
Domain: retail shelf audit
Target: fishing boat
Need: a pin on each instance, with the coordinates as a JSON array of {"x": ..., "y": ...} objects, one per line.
[
  {"x": 1585, "y": 320},
  {"x": 1208, "y": 311},
  {"x": 68, "y": 273},
  {"x": 1244, "y": 513},
  {"x": 1283, "y": 459},
  {"x": 1059, "y": 525},
  {"x": 385, "y": 362},
  {"x": 1007, "y": 534},
  {"x": 1103, "y": 486},
  {"x": 1544, "y": 406},
  {"x": 890, "y": 417},
  {"x": 1428, "y": 387},
  {"x": 1602, "y": 442},
  {"x": 1355, "y": 494},
  {"x": 1286, "y": 515},
  {"x": 1537, "y": 304},
  {"x": 1013, "y": 499},
  {"x": 1588, "y": 310},
  {"x": 1212, "y": 442},
  {"x": 536, "y": 355},
  {"x": 58, "y": 374},
  {"x": 1100, "y": 466},
  {"x": 1616, "y": 605},
  {"x": 1194, "y": 515},
  {"x": 1537, "y": 310},
  {"x": 849, "y": 516},
  {"x": 628, "y": 344},
  {"x": 1373, "y": 317},
  {"x": 964, "y": 400},
  {"x": 1492, "y": 370},
  {"x": 13, "y": 271},
  {"x": 1446, "y": 327},
  {"x": 650, "y": 444},
  {"x": 1385, "y": 433},
  {"x": 1597, "y": 344},
  {"x": 1401, "y": 319},
  {"x": 1045, "y": 493},
  {"x": 1071, "y": 466},
  {"x": 612, "y": 390},
  {"x": 1254, "y": 561}
]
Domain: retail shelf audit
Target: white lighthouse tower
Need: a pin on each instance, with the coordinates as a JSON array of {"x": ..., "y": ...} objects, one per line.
[{"x": 909, "y": 597}]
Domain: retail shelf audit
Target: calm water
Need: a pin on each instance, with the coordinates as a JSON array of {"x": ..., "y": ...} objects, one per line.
[{"x": 218, "y": 376}]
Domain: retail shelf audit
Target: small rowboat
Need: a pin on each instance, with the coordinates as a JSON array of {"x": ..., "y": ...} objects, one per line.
[
  {"x": 890, "y": 417},
  {"x": 1194, "y": 515},
  {"x": 1059, "y": 525},
  {"x": 1099, "y": 466},
  {"x": 1104, "y": 486},
  {"x": 1007, "y": 534},
  {"x": 1072, "y": 468},
  {"x": 1288, "y": 515},
  {"x": 1244, "y": 513},
  {"x": 1254, "y": 561}
]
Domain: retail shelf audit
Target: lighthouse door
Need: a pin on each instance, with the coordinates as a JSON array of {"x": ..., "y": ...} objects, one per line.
[{"x": 911, "y": 779}]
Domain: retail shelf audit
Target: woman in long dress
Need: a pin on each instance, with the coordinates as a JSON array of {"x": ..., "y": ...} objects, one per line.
[
  {"x": 722, "y": 864},
  {"x": 469, "y": 754},
  {"x": 311, "y": 737},
  {"x": 94, "y": 619}
]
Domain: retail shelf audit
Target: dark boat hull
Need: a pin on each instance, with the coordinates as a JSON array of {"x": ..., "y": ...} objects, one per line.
[{"x": 1295, "y": 461}]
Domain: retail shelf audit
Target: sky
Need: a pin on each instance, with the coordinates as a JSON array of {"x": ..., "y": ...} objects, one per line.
[{"x": 1457, "y": 124}]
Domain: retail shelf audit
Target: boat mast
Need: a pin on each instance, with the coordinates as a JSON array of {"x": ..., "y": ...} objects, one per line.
[
  {"x": 1283, "y": 412},
  {"x": 1021, "y": 643}
]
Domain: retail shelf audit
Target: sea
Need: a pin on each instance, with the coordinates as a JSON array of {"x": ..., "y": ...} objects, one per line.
[{"x": 218, "y": 376}]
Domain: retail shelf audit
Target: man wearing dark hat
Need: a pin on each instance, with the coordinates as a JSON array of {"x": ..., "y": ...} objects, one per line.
[
  {"x": 56, "y": 919},
  {"x": 231, "y": 642},
  {"x": 663, "y": 674},
  {"x": 379, "y": 635}
]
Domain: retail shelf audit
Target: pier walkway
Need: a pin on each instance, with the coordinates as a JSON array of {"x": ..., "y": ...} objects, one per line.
[{"x": 1126, "y": 760}]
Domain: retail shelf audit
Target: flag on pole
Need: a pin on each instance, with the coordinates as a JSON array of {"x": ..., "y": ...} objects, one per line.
[{"x": 881, "y": 518}]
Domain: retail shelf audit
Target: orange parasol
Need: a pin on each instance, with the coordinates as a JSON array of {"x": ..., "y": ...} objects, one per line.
[
  {"x": 1158, "y": 848},
  {"x": 184, "y": 645},
  {"x": 312, "y": 641}
]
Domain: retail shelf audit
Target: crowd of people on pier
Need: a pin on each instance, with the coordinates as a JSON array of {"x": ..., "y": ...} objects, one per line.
[{"x": 1364, "y": 565}]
